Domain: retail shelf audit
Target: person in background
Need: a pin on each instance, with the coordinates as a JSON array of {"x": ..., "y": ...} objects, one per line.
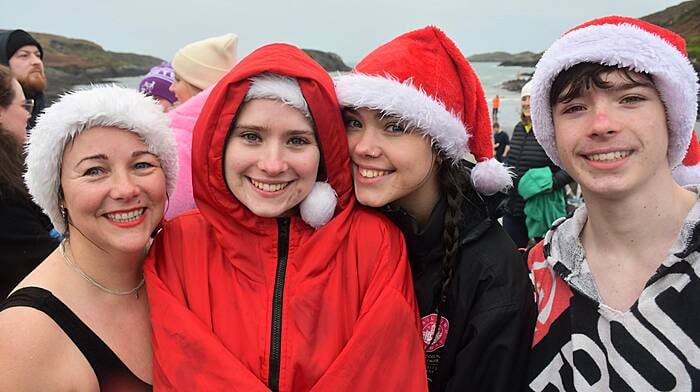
[
  {"x": 198, "y": 66},
  {"x": 501, "y": 142},
  {"x": 496, "y": 105},
  {"x": 526, "y": 153},
  {"x": 157, "y": 84},
  {"x": 25, "y": 57},
  {"x": 25, "y": 237},
  {"x": 280, "y": 281},
  {"x": 617, "y": 284},
  {"x": 407, "y": 131},
  {"x": 99, "y": 163}
]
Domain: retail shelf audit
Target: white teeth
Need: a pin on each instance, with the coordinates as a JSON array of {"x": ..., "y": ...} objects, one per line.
[
  {"x": 126, "y": 216},
  {"x": 369, "y": 173},
  {"x": 268, "y": 187},
  {"x": 610, "y": 156}
]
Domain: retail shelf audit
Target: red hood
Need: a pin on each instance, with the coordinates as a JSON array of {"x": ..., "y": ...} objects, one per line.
[{"x": 216, "y": 203}]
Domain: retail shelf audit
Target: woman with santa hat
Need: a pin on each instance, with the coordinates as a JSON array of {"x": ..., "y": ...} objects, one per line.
[
  {"x": 100, "y": 163},
  {"x": 413, "y": 109},
  {"x": 280, "y": 280}
]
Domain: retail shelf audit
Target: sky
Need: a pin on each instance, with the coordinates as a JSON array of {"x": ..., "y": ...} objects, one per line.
[{"x": 349, "y": 28}]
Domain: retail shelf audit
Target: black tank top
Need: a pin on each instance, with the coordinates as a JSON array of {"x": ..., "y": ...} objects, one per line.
[{"x": 112, "y": 374}]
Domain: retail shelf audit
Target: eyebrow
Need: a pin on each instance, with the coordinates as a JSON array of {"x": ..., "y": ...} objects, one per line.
[
  {"x": 104, "y": 157},
  {"x": 139, "y": 153},
  {"x": 96, "y": 157},
  {"x": 264, "y": 129},
  {"x": 616, "y": 88},
  {"x": 628, "y": 86},
  {"x": 25, "y": 51}
]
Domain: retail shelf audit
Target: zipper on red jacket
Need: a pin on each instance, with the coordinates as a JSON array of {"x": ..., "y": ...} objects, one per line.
[{"x": 276, "y": 330}]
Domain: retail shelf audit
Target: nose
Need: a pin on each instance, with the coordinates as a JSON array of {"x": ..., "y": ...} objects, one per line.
[
  {"x": 172, "y": 86},
  {"x": 272, "y": 161},
  {"x": 603, "y": 124},
  {"x": 364, "y": 144},
  {"x": 124, "y": 186},
  {"x": 35, "y": 59}
]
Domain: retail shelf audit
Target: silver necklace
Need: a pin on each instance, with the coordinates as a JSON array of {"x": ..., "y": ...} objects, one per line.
[{"x": 92, "y": 281}]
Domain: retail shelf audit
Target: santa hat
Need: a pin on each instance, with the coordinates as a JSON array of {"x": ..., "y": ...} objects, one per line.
[
  {"x": 78, "y": 111},
  {"x": 688, "y": 172},
  {"x": 422, "y": 78},
  {"x": 319, "y": 205},
  {"x": 626, "y": 43}
]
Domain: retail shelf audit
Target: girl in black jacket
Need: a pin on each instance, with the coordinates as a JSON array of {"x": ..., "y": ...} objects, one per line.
[
  {"x": 410, "y": 107},
  {"x": 24, "y": 232}
]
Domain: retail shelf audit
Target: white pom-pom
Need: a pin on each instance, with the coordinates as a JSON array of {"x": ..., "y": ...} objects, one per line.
[
  {"x": 318, "y": 207},
  {"x": 491, "y": 176},
  {"x": 686, "y": 175}
]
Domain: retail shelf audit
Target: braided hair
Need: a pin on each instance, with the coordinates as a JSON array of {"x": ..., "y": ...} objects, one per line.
[{"x": 454, "y": 179}]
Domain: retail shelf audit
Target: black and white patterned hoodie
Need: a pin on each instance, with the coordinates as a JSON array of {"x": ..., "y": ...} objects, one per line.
[{"x": 581, "y": 344}]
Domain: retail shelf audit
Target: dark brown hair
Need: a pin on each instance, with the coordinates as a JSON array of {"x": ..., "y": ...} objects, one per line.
[
  {"x": 571, "y": 83},
  {"x": 7, "y": 93},
  {"x": 11, "y": 156},
  {"x": 454, "y": 179}
]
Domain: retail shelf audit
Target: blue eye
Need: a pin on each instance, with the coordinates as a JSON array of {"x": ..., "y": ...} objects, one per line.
[
  {"x": 93, "y": 171},
  {"x": 143, "y": 165},
  {"x": 251, "y": 137},
  {"x": 298, "y": 141}
]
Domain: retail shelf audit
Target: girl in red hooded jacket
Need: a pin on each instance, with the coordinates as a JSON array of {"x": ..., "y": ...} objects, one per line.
[{"x": 279, "y": 281}]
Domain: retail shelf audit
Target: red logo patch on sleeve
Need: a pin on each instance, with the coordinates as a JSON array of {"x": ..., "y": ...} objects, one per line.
[{"x": 553, "y": 295}]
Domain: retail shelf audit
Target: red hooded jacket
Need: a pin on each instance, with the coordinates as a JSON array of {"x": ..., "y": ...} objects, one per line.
[{"x": 240, "y": 302}]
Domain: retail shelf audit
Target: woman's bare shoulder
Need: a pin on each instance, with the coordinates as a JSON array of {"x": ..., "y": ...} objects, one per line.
[{"x": 35, "y": 354}]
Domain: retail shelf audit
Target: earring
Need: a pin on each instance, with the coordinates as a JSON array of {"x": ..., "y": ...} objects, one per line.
[{"x": 64, "y": 214}]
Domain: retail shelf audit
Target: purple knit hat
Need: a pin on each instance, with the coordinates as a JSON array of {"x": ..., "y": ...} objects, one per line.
[{"x": 157, "y": 82}]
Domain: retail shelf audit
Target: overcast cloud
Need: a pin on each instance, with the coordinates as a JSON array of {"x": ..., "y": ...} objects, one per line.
[{"x": 349, "y": 28}]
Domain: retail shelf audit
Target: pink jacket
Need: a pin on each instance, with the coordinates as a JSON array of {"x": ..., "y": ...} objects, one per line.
[{"x": 182, "y": 120}]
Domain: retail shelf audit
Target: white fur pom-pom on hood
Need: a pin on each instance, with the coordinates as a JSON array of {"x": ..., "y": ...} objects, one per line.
[{"x": 318, "y": 207}]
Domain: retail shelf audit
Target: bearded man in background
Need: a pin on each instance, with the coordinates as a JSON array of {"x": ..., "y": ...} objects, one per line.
[{"x": 24, "y": 55}]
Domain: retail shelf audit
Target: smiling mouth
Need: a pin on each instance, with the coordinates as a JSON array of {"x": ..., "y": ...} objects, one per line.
[
  {"x": 371, "y": 173},
  {"x": 608, "y": 156},
  {"x": 125, "y": 217},
  {"x": 266, "y": 187}
]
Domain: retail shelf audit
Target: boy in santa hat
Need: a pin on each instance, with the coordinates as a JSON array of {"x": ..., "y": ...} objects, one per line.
[{"x": 617, "y": 285}]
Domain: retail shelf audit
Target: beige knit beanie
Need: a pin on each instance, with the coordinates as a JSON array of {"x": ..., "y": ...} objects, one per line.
[{"x": 204, "y": 62}]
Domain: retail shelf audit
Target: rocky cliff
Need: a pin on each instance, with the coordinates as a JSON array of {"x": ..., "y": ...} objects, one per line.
[{"x": 71, "y": 61}]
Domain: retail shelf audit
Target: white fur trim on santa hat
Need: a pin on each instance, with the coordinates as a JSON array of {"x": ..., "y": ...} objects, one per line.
[
  {"x": 628, "y": 46},
  {"x": 318, "y": 207},
  {"x": 407, "y": 102},
  {"x": 686, "y": 175},
  {"x": 280, "y": 88},
  {"x": 491, "y": 176},
  {"x": 77, "y": 111}
]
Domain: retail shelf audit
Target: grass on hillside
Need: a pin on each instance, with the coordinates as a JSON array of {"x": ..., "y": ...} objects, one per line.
[{"x": 693, "y": 46}]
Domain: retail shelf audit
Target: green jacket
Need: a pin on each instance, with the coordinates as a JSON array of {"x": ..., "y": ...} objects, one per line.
[{"x": 542, "y": 204}]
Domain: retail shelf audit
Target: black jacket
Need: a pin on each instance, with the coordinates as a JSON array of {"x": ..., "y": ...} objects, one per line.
[
  {"x": 24, "y": 239},
  {"x": 526, "y": 153},
  {"x": 490, "y": 307}
]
